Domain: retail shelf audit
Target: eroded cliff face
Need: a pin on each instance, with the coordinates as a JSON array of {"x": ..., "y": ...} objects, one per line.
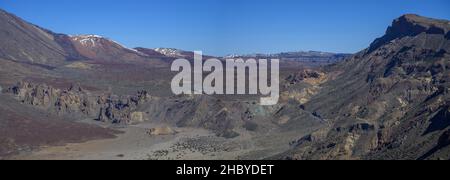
[{"x": 387, "y": 99}]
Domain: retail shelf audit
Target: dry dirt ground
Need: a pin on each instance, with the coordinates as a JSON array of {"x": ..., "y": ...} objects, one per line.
[{"x": 188, "y": 143}]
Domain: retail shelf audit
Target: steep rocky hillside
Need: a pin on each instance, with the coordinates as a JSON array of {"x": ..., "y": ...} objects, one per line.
[
  {"x": 390, "y": 101},
  {"x": 28, "y": 43}
]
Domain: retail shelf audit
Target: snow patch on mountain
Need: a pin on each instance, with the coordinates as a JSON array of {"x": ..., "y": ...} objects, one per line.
[
  {"x": 96, "y": 40},
  {"x": 136, "y": 51},
  {"x": 170, "y": 52},
  {"x": 87, "y": 40}
]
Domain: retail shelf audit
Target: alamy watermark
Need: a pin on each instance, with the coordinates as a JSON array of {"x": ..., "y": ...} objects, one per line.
[{"x": 192, "y": 82}]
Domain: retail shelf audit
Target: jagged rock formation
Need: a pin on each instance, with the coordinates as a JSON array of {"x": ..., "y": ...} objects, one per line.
[
  {"x": 181, "y": 111},
  {"x": 72, "y": 100},
  {"x": 77, "y": 101},
  {"x": 391, "y": 101},
  {"x": 122, "y": 109}
]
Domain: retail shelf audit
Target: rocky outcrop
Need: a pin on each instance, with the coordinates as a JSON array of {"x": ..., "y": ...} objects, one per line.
[
  {"x": 302, "y": 85},
  {"x": 122, "y": 109},
  {"x": 307, "y": 75},
  {"x": 77, "y": 101},
  {"x": 411, "y": 25},
  {"x": 71, "y": 100}
]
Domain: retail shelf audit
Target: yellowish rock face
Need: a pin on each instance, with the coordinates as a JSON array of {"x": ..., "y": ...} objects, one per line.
[{"x": 137, "y": 117}]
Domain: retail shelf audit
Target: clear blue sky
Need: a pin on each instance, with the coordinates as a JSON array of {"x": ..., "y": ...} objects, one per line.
[{"x": 221, "y": 27}]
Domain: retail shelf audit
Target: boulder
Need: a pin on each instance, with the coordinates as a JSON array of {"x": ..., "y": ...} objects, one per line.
[{"x": 161, "y": 131}]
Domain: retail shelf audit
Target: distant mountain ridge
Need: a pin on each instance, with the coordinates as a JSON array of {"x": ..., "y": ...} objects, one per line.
[
  {"x": 25, "y": 42},
  {"x": 299, "y": 56}
]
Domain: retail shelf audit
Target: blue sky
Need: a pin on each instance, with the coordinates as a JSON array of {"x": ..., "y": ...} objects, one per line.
[{"x": 221, "y": 27}]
